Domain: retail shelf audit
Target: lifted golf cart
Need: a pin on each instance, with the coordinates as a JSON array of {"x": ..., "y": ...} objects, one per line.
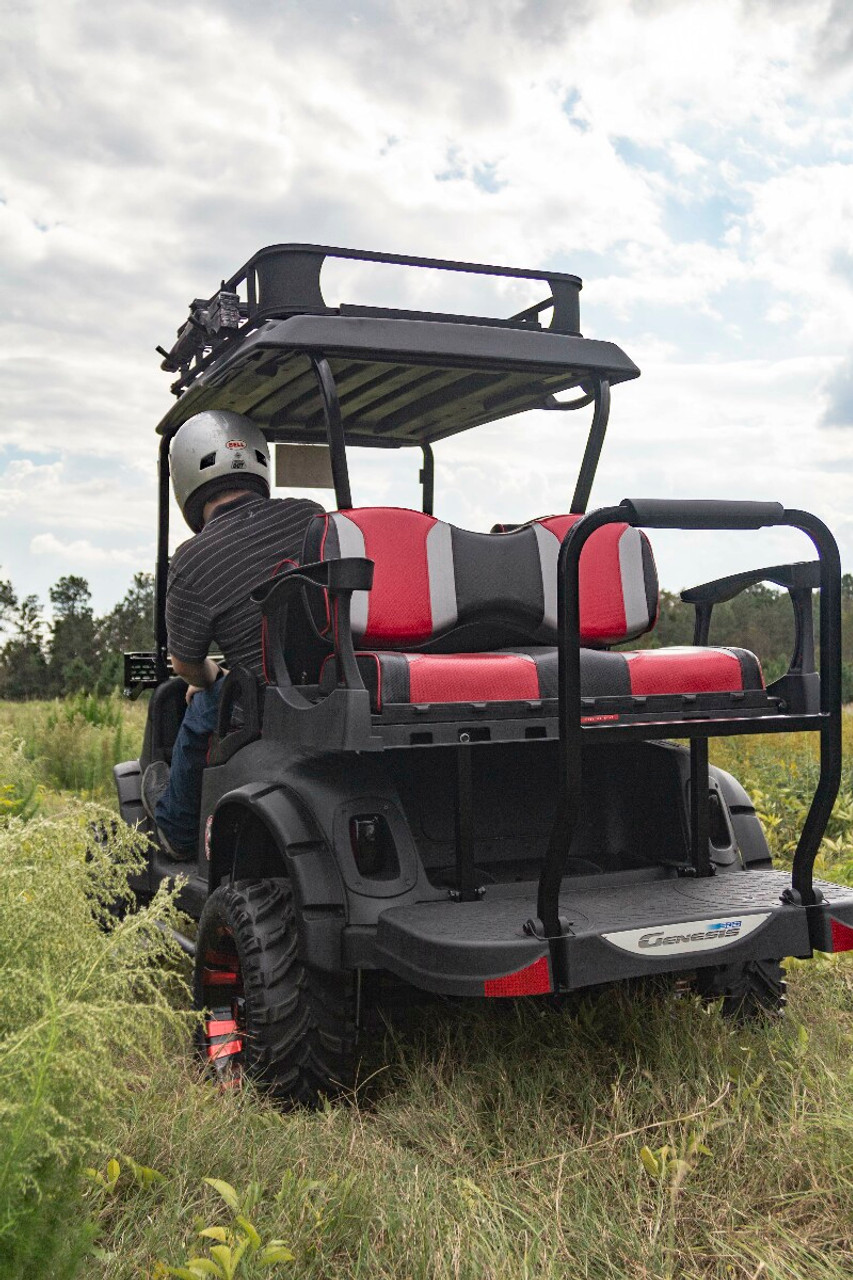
[{"x": 451, "y": 774}]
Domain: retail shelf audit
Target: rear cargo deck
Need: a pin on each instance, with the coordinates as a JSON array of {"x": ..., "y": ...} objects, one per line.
[{"x": 618, "y": 930}]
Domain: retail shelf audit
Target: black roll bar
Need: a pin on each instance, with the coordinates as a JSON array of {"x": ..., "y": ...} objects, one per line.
[
  {"x": 334, "y": 430},
  {"x": 426, "y": 476},
  {"x": 693, "y": 515},
  {"x": 594, "y": 444},
  {"x": 161, "y": 572}
]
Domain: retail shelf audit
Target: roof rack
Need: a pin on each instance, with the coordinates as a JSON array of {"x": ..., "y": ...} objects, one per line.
[{"x": 283, "y": 280}]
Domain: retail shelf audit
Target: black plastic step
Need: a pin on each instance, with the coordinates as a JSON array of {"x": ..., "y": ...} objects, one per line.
[{"x": 632, "y": 928}]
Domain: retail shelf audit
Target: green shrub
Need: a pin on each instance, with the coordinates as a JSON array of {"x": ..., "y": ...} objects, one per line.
[
  {"x": 76, "y": 741},
  {"x": 19, "y": 790},
  {"x": 84, "y": 996}
]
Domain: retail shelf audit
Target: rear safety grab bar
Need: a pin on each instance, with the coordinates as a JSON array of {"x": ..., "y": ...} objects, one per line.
[{"x": 687, "y": 514}]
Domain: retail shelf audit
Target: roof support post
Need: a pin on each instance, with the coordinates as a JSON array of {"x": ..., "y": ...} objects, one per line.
[
  {"x": 594, "y": 444},
  {"x": 334, "y": 430},
  {"x": 161, "y": 575},
  {"x": 426, "y": 476}
]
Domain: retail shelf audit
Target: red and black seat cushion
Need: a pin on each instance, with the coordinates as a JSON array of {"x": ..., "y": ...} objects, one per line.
[
  {"x": 445, "y": 589},
  {"x": 530, "y": 674},
  {"x": 456, "y": 616}
]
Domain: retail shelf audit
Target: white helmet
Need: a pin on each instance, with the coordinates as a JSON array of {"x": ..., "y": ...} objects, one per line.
[{"x": 215, "y": 451}]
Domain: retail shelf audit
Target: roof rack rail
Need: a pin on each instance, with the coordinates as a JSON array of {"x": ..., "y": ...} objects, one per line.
[{"x": 282, "y": 280}]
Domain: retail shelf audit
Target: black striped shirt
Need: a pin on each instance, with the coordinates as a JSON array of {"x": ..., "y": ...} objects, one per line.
[{"x": 212, "y": 575}]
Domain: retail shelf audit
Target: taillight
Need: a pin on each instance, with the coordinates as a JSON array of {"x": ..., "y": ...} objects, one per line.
[{"x": 373, "y": 847}]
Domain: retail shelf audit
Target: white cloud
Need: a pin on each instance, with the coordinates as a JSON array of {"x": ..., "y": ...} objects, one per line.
[
  {"x": 694, "y": 155},
  {"x": 83, "y": 554}
]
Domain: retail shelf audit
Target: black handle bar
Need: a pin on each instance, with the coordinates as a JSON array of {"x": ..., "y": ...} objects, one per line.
[{"x": 701, "y": 513}]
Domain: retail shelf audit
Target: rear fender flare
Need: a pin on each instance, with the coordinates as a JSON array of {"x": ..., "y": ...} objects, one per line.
[{"x": 261, "y": 832}]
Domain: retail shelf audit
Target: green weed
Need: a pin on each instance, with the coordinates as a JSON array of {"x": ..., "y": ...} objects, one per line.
[
  {"x": 485, "y": 1143},
  {"x": 74, "y": 743},
  {"x": 235, "y": 1250},
  {"x": 83, "y": 994}
]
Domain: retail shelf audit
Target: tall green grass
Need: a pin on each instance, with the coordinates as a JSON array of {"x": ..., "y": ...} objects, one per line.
[
  {"x": 780, "y": 773},
  {"x": 626, "y": 1136},
  {"x": 75, "y": 742},
  {"x": 83, "y": 994},
  {"x": 509, "y": 1141}
]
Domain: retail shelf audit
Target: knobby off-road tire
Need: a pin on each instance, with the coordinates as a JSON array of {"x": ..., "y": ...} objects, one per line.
[
  {"x": 270, "y": 1017},
  {"x": 753, "y": 989}
]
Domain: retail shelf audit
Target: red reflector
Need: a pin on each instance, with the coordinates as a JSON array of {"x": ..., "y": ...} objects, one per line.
[
  {"x": 219, "y": 978},
  {"x": 842, "y": 936},
  {"x": 221, "y": 1028},
  {"x": 535, "y": 980},
  {"x": 597, "y": 719},
  {"x": 224, "y": 1050}
]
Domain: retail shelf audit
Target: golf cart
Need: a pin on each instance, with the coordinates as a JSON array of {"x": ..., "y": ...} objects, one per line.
[{"x": 455, "y": 772}]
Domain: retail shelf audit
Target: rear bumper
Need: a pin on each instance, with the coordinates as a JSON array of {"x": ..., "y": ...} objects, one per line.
[{"x": 615, "y": 931}]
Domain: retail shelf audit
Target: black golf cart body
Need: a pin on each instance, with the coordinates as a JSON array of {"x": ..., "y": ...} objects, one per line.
[{"x": 553, "y": 835}]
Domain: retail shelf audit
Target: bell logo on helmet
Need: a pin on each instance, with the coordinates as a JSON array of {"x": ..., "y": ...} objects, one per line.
[{"x": 235, "y": 444}]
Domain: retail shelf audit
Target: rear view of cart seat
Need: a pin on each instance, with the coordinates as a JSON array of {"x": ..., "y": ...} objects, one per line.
[{"x": 456, "y": 616}]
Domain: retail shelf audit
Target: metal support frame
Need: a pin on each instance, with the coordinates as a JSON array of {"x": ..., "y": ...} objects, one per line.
[
  {"x": 426, "y": 475},
  {"x": 284, "y": 279},
  {"x": 700, "y": 813},
  {"x": 594, "y": 444},
  {"x": 161, "y": 573},
  {"x": 466, "y": 889},
  {"x": 698, "y": 515},
  {"x": 830, "y": 705},
  {"x": 334, "y": 430}
]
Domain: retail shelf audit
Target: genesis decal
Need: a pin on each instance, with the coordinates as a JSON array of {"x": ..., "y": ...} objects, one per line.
[{"x": 685, "y": 937}]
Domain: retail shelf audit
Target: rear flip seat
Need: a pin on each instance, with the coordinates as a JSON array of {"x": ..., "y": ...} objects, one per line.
[{"x": 456, "y": 616}]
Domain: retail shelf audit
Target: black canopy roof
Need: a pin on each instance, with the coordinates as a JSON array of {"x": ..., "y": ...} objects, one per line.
[{"x": 400, "y": 382}]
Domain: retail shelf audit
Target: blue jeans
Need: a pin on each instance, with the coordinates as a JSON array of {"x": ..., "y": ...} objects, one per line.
[{"x": 177, "y": 811}]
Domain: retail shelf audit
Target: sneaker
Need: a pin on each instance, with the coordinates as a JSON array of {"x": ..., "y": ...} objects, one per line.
[
  {"x": 155, "y": 781},
  {"x": 178, "y": 855}
]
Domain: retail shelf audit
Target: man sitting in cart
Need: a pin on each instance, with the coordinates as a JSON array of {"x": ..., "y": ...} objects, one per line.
[{"x": 220, "y": 475}]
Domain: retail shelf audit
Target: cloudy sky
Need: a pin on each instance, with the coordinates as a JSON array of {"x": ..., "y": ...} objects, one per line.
[{"x": 693, "y": 162}]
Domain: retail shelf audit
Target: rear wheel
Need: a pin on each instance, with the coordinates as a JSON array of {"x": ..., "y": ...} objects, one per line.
[
  {"x": 756, "y": 988},
  {"x": 268, "y": 1016}
]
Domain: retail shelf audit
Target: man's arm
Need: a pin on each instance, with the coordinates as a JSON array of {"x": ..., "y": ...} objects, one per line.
[
  {"x": 198, "y": 675},
  {"x": 190, "y": 630}
]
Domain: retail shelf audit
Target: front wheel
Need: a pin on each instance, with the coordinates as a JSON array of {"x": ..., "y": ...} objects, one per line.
[{"x": 269, "y": 1016}]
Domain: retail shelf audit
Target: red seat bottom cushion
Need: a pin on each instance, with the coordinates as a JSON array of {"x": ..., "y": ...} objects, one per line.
[{"x": 529, "y": 674}]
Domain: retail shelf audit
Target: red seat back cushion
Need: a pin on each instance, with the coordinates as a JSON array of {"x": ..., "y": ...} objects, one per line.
[
  {"x": 616, "y": 604},
  {"x": 399, "y": 608},
  {"x": 430, "y": 577}
]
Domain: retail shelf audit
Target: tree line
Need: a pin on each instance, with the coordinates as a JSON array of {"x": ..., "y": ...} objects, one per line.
[{"x": 76, "y": 651}]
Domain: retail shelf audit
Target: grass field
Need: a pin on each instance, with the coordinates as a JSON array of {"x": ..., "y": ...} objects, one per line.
[{"x": 629, "y": 1134}]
